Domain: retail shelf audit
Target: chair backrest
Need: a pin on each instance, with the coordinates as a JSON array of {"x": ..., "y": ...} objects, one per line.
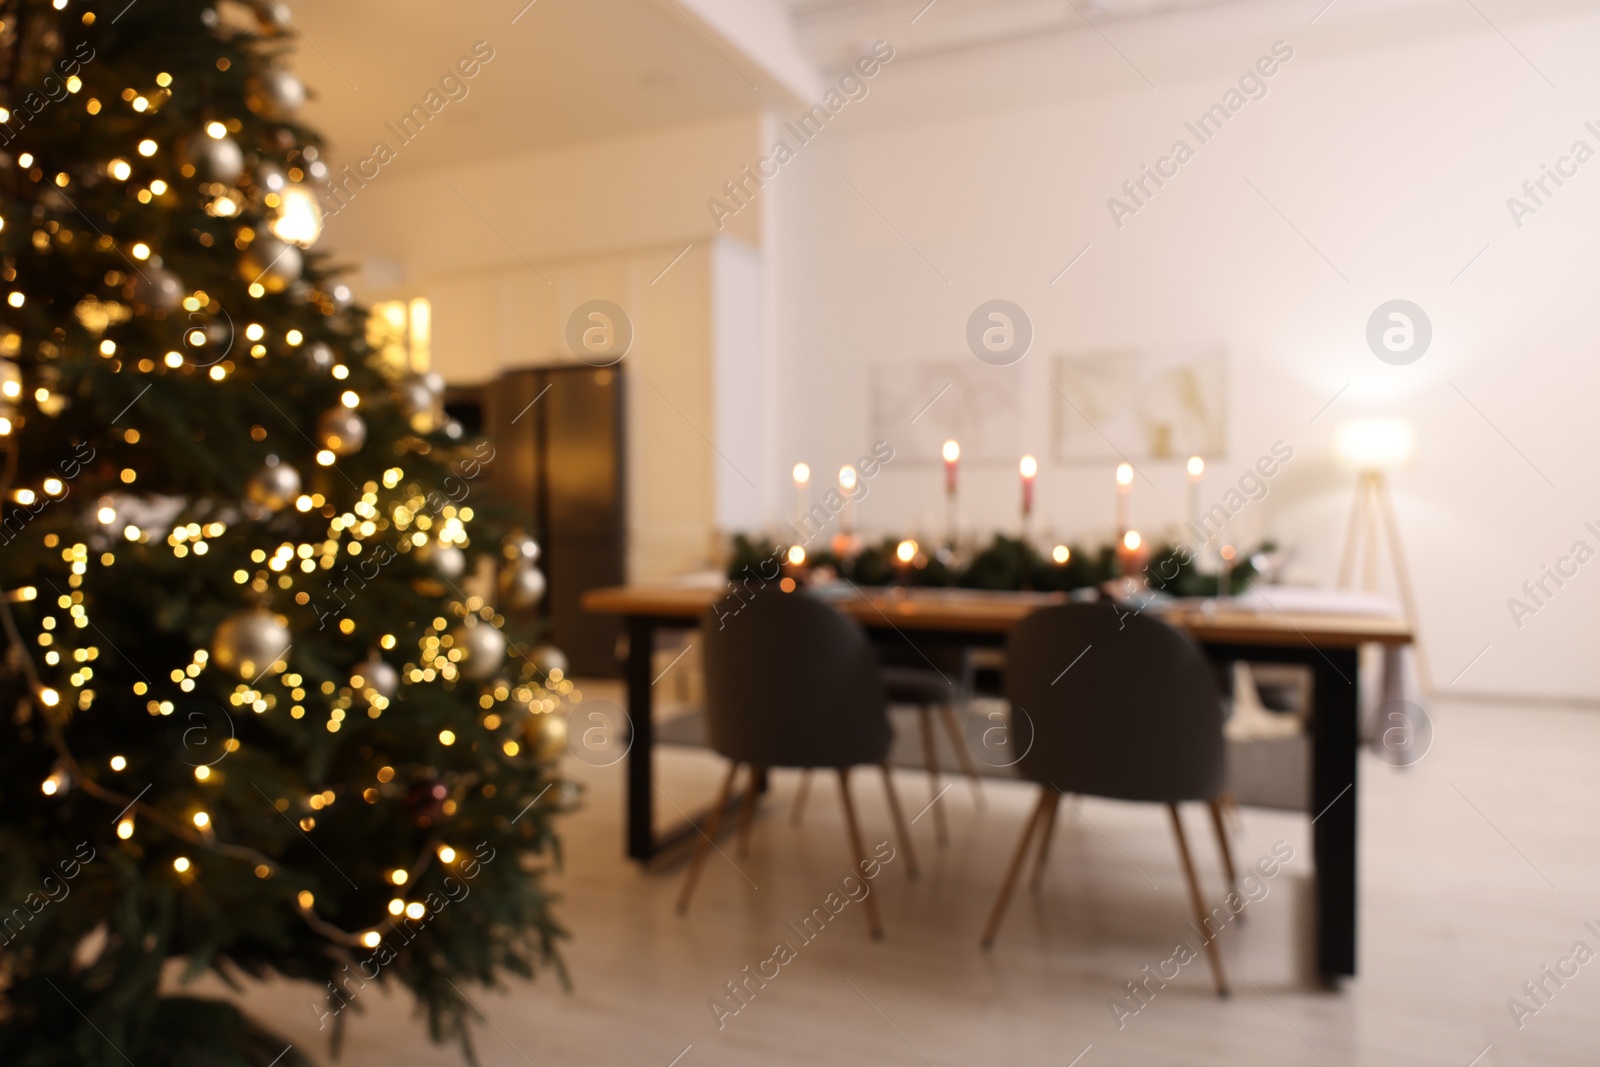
[
  {"x": 792, "y": 682},
  {"x": 1117, "y": 704}
]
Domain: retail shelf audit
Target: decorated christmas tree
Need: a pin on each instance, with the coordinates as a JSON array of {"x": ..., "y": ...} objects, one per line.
[{"x": 261, "y": 710}]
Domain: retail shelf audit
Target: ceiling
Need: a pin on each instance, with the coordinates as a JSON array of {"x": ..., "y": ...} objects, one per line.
[
  {"x": 565, "y": 71},
  {"x": 570, "y": 71}
]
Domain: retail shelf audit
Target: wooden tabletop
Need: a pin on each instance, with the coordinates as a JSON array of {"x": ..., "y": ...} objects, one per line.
[{"x": 981, "y": 611}]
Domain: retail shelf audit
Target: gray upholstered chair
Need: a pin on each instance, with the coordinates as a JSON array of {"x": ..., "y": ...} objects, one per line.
[
  {"x": 792, "y": 682},
  {"x": 1118, "y": 705}
]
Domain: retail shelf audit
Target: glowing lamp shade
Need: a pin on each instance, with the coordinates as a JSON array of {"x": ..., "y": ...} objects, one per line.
[
  {"x": 1375, "y": 444},
  {"x": 299, "y": 218}
]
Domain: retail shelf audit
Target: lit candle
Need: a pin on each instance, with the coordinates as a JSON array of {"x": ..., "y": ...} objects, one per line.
[
  {"x": 1197, "y": 468},
  {"x": 847, "y": 487},
  {"x": 904, "y": 553},
  {"x": 1030, "y": 470},
  {"x": 802, "y": 491},
  {"x": 1124, "y": 492},
  {"x": 1131, "y": 556},
  {"x": 952, "y": 453}
]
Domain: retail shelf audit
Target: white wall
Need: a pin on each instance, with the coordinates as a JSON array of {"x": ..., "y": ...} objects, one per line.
[{"x": 1395, "y": 162}]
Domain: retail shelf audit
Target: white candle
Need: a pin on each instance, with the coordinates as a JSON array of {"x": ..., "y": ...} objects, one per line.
[
  {"x": 1124, "y": 495},
  {"x": 802, "y": 491},
  {"x": 1197, "y": 468},
  {"x": 847, "y": 487}
]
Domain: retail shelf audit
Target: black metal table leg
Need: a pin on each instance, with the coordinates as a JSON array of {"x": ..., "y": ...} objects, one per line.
[
  {"x": 641, "y": 740},
  {"x": 1336, "y": 736}
]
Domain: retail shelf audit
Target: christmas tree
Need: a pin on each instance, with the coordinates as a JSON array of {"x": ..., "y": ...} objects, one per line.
[{"x": 260, "y": 714}]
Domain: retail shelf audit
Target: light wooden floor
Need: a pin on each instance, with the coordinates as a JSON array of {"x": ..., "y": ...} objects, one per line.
[{"x": 1478, "y": 867}]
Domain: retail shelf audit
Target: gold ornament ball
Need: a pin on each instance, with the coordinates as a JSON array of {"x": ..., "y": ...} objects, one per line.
[
  {"x": 419, "y": 402},
  {"x": 250, "y": 642},
  {"x": 218, "y": 159},
  {"x": 546, "y": 735},
  {"x": 341, "y": 431}
]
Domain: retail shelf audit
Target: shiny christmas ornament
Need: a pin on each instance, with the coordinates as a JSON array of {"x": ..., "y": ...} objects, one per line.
[
  {"x": 377, "y": 677},
  {"x": 425, "y": 801},
  {"x": 278, "y": 93},
  {"x": 549, "y": 661},
  {"x": 522, "y": 547},
  {"x": 275, "y": 486},
  {"x": 249, "y": 643},
  {"x": 420, "y": 404},
  {"x": 483, "y": 650},
  {"x": 435, "y": 383},
  {"x": 270, "y": 178},
  {"x": 158, "y": 287},
  {"x": 320, "y": 355},
  {"x": 448, "y": 560},
  {"x": 271, "y": 262},
  {"x": 217, "y": 159},
  {"x": 546, "y": 736},
  {"x": 527, "y": 587},
  {"x": 341, "y": 431}
]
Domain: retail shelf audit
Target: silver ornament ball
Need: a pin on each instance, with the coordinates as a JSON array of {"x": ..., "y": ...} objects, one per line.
[
  {"x": 320, "y": 355},
  {"x": 419, "y": 403},
  {"x": 548, "y": 659},
  {"x": 483, "y": 650},
  {"x": 341, "y": 431},
  {"x": 158, "y": 287},
  {"x": 271, "y": 262},
  {"x": 282, "y": 91},
  {"x": 448, "y": 560},
  {"x": 527, "y": 587},
  {"x": 522, "y": 547},
  {"x": 377, "y": 676},
  {"x": 250, "y": 642},
  {"x": 218, "y": 159},
  {"x": 275, "y": 485}
]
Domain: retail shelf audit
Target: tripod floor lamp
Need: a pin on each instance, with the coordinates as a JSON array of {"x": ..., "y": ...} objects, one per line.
[{"x": 1373, "y": 447}]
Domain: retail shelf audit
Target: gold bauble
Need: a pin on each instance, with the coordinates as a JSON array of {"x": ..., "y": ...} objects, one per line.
[{"x": 546, "y": 735}]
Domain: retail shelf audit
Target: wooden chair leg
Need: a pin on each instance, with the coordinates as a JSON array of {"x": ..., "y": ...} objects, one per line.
[
  {"x": 963, "y": 754},
  {"x": 1213, "y": 953},
  {"x": 704, "y": 844},
  {"x": 747, "y": 811},
  {"x": 900, "y": 827},
  {"x": 930, "y": 756},
  {"x": 1046, "y": 833},
  {"x": 870, "y": 900},
  {"x": 801, "y": 792},
  {"x": 1220, "y": 824},
  {"x": 1010, "y": 881}
]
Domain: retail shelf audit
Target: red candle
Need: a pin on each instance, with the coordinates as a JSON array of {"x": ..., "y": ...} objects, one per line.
[
  {"x": 952, "y": 453},
  {"x": 1030, "y": 471}
]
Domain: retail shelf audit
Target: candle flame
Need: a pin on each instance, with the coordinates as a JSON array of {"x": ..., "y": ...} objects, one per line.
[
  {"x": 1197, "y": 466},
  {"x": 1124, "y": 473},
  {"x": 1131, "y": 540},
  {"x": 802, "y": 473},
  {"x": 906, "y": 552},
  {"x": 1029, "y": 466},
  {"x": 951, "y": 451}
]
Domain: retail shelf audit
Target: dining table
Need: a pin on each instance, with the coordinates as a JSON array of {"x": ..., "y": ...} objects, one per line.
[{"x": 1327, "y": 641}]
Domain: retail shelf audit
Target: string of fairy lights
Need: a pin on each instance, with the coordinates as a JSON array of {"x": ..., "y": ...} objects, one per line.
[{"x": 392, "y": 516}]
